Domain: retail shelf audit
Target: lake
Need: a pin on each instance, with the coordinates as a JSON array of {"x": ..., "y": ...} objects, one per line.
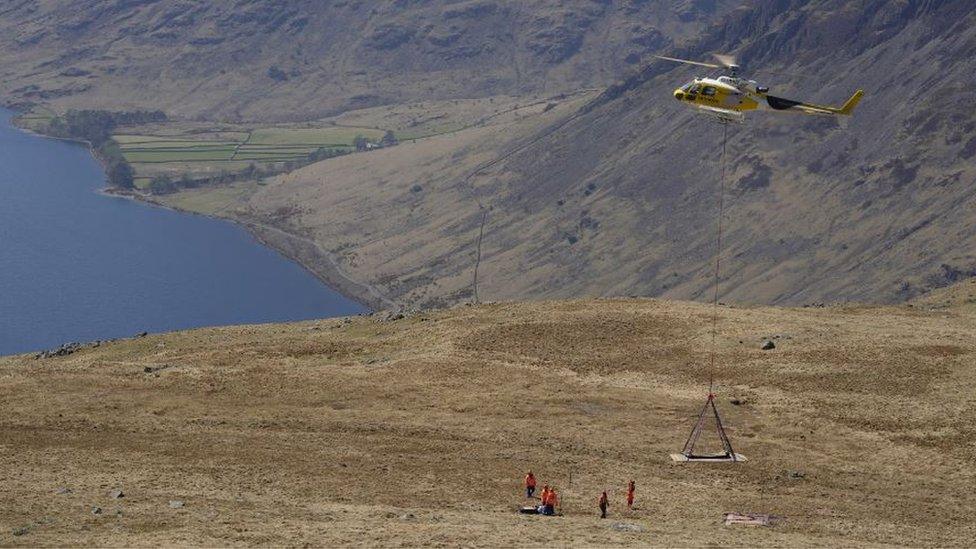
[{"x": 77, "y": 265}]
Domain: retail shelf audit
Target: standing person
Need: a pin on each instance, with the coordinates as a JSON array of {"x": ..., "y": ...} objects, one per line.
[
  {"x": 553, "y": 502},
  {"x": 631, "y": 487},
  {"x": 543, "y": 497},
  {"x": 529, "y": 484},
  {"x": 604, "y": 503}
]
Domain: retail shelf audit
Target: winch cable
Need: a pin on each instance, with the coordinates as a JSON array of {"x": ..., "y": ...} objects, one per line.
[{"x": 718, "y": 262}]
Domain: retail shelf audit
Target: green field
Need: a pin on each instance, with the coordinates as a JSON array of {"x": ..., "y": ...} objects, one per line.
[
  {"x": 188, "y": 155},
  {"x": 313, "y": 137},
  {"x": 284, "y": 152},
  {"x": 220, "y": 137},
  {"x": 154, "y": 149},
  {"x": 264, "y": 144},
  {"x": 217, "y": 152},
  {"x": 124, "y": 139},
  {"x": 182, "y": 144}
]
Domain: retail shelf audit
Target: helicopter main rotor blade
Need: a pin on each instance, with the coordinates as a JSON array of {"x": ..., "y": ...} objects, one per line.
[
  {"x": 784, "y": 73},
  {"x": 725, "y": 59},
  {"x": 686, "y": 61}
]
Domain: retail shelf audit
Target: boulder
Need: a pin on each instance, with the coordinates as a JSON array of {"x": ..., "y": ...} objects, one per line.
[{"x": 64, "y": 350}]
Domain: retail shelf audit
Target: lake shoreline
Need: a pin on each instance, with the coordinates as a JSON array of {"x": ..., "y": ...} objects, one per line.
[
  {"x": 191, "y": 287},
  {"x": 317, "y": 263},
  {"x": 329, "y": 274}
]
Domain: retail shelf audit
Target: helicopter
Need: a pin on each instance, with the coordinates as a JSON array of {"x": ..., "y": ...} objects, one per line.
[{"x": 728, "y": 96}]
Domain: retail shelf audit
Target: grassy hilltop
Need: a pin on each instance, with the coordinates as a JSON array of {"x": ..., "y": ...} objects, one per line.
[
  {"x": 546, "y": 120},
  {"x": 376, "y": 430}
]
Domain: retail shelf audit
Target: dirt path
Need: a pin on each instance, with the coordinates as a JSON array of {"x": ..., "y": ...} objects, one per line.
[{"x": 331, "y": 273}]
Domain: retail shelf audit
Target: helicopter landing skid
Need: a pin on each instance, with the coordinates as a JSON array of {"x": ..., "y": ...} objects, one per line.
[{"x": 724, "y": 116}]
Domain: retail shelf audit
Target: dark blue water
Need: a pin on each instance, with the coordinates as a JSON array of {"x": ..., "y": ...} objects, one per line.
[{"x": 76, "y": 265}]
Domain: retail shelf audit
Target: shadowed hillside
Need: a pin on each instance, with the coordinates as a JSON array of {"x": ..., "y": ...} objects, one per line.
[
  {"x": 877, "y": 207},
  {"x": 272, "y": 60},
  {"x": 621, "y": 197}
]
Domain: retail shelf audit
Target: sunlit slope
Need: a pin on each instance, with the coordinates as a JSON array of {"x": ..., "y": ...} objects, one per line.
[{"x": 858, "y": 428}]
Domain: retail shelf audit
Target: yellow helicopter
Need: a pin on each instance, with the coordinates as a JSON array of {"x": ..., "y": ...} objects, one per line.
[{"x": 728, "y": 97}]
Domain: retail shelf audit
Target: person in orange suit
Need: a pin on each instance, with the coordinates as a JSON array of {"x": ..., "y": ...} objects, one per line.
[
  {"x": 529, "y": 484},
  {"x": 549, "y": 507},
  {"x": 543, "y": 498},
  {"x": 603, "y": 502},
  {"x": 631, "y": 488}
]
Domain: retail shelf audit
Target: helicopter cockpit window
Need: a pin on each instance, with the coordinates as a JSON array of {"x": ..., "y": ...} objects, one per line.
[{"x": 708, "y": 90}]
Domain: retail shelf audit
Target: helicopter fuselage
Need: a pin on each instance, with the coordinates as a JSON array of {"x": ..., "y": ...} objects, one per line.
[
  {"x": 724, "y": 92},
  {"x": 728, "y": 97}
]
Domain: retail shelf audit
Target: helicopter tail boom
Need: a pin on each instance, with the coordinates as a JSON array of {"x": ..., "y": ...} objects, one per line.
[{"x": 781, "y": 104}]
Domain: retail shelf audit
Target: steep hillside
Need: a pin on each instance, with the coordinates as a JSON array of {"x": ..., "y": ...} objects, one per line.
[
  {"x": 385, "y": 226},
  {"x": 617, "y": 196},
  {"x": 858, "y": 429},
  {"x": 621, "y": 198},
  {"x": 268, "y": 60},
  {"x": 878, "y": 207}
]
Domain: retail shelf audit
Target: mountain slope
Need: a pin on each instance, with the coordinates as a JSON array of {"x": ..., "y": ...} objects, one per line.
[
  {"x": 616, "y": 198},
  {"x": 878, "y": 207},
  {"x": 621, "y": 197},
  {"x": 417, "y": 431},
  {"x": 267, "y": 60}
]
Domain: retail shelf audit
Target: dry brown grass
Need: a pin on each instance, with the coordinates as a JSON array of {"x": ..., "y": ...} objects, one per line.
[{"x": 417, "y": 431}]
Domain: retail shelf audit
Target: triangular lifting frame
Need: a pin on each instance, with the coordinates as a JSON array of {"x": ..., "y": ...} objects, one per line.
[{"x": 688, "y": 452}]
